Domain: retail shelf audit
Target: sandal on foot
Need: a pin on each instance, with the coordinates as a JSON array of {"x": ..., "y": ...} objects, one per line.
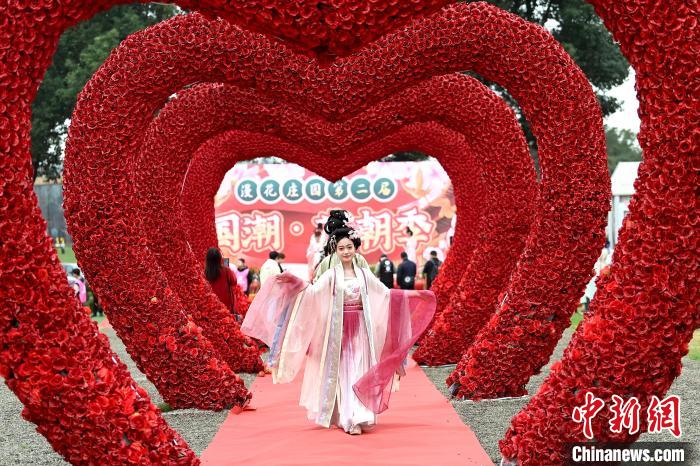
[{"x": 355, "y": 430}]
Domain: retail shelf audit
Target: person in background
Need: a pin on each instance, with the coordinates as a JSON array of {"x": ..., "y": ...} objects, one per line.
[
  {"x": 431, "y": 268},
  {"x": 97, "y": 309},
  {"x": 591, "y": 288},
  {"x": 244, "y": 276},
  {"x": 221, "y": 278},
  {"x": 61, "y": 244},
  {"x": 411, "y": 245},
  {"x": 270, "y": 267},
  {"x": 76, "y": 282},
  {"x": 385, "y": 271},
  {"x": 406, "y": 273},
  {"x": 314, "y": 253},
  {"x": 280, "y": 258}
]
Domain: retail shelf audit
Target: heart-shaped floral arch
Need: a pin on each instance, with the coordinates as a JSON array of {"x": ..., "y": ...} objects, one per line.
[
  {"x": 33, "y": 285},
  {"x": 204, "y": 307},
  {"x": 219, "y": 154},
  {"x": 195, "y": 204}
]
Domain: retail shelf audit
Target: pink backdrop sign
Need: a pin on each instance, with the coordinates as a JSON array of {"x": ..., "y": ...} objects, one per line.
[{"x": 264, "y": 207}]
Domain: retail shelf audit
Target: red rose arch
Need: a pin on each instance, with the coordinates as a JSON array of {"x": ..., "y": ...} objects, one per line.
[
  {"x": 233, "y": 146},
  {"x": 85, "y": 403}
]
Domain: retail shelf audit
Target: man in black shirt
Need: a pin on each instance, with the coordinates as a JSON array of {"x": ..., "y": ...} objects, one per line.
[
  {"x": 430, "y": 269},
  {"x": 385, "y": 271},
  {"x": 406, "y": 273}
]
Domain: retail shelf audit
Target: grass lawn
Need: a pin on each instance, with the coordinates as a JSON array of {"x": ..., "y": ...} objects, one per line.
[
  {"x": 576, "y": 318},
  {"x": 694, "y": 347},
  {"x": 68, "y": 255}
]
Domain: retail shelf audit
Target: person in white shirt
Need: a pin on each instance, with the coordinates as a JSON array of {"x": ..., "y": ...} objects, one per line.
[
  {"x": 411, "y": 245},
  {"x": 270, "y": 268},
  {"x": 314, "y": 253}
]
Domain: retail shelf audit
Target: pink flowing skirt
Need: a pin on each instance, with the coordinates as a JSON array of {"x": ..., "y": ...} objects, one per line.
[{"x": 354, "y": 363}]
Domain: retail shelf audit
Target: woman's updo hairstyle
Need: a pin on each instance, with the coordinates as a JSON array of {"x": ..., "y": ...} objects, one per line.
[
  {"x": 337, "y": 228},
  {"x": 336, "y": 219}
]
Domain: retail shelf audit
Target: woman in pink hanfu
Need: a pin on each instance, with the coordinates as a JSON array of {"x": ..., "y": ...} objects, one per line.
[{"x": 351, "y": 331}]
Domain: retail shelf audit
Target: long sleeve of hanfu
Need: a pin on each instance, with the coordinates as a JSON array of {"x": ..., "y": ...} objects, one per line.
[
  {"x": 285, "y": 315},
  {"x": 406, "y": 315}
]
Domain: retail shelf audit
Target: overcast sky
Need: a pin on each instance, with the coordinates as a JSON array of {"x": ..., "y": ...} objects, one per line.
[{"x": 626, "y": 117}]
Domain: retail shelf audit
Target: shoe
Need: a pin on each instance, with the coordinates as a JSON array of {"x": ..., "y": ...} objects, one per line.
[
  {"x": 355, "y": 430},
  {"x": 367, "y": 427}
]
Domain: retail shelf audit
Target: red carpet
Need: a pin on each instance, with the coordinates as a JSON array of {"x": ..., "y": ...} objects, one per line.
[{"x": 420, "y": 428}]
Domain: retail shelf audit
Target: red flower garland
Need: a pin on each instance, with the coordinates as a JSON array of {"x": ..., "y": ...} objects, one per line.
[
  {"x": 204, "y": 176},
  {"x": 220, "y": 153},
  {"x": 646, "y": 309}
]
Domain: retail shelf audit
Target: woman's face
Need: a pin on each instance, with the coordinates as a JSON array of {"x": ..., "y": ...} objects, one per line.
[{"x": 345, "y": 250}]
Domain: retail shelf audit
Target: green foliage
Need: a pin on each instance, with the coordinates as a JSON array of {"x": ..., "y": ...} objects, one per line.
[
  {"x": 81, "y": 51},
  {"x": 622, "y": 147},
  {"x": 164, "y": 407},
  {"x": 406, "y": 157},
  {"x": 576, "y": 319},
  {"x": 694, "y": 347},
  {"x": 583, "y": 35}
]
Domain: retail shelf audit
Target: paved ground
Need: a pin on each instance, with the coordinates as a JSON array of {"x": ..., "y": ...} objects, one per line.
[{"x": 21, "y": 445}]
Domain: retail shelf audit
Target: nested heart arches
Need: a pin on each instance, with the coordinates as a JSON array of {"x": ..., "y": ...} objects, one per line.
[
  {"x": 561, "y": 129},
  {"x": 497, "y": 158}
]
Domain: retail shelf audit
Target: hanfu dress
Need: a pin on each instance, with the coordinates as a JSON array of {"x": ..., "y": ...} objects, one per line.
[{"x": 351, "y": 334}]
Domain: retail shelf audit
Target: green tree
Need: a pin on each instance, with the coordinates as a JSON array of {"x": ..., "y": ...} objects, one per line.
[
  {"x": 81, "y": 51},
  {"x": 622, "y": 147}
]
